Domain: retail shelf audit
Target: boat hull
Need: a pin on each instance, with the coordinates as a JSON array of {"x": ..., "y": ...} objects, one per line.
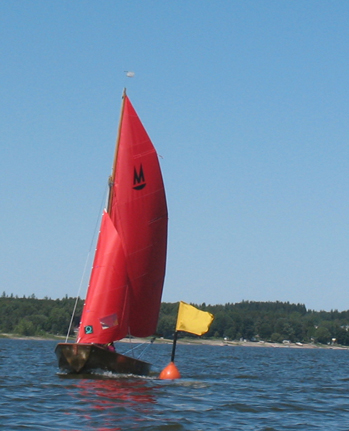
[{"x": 81, "y": 358}]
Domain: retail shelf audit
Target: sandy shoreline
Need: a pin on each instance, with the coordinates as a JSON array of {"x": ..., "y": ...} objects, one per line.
[
  {"x": 194, "y": 341},
  {"x": 222, "y": 343}
]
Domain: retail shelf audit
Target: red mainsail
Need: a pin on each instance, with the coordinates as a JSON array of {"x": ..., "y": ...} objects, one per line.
[{"x": 128, "y": 273}]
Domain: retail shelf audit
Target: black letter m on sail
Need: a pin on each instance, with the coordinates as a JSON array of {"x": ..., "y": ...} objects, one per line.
[{"x": 138, "y": 179}]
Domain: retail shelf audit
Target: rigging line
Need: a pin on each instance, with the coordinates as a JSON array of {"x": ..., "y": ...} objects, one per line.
[
  {"x": 86, "y": 262},
  {"x": 136, "y": 347},
  {"x": 102, "y": 205},
  {"x": 144, "y": 350},
  {"x": 129, "y": 336},
  {"x": 77, "y": 298}
]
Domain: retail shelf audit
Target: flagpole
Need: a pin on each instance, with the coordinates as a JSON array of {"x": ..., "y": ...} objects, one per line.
[
  {"x": 174, "y": 346},
  {"x": 171, "y": 372}
]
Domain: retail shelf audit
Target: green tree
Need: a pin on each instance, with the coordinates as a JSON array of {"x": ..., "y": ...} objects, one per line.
[
  {"x": 322, "y": 335},
  {"x": 25, "y": 327},
  {"x": 265, "y": 330},
  {"x": 166, "y": 326},
  {"x": 276, "y": 337}
]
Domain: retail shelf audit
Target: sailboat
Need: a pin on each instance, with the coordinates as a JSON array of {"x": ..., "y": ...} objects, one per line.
[{"x": 127, "y": 276}]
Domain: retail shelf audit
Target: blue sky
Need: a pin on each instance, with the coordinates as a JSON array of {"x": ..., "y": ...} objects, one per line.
[{"x": 245, "y": 101}]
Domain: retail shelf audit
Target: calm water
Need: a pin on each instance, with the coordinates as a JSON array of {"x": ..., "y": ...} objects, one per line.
[{"x": 223, "y": 388}]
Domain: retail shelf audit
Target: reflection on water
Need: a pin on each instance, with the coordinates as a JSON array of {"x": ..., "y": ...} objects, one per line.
[
  {"x": 105, "y": 397},
  {"x": 119, "y": 390}
]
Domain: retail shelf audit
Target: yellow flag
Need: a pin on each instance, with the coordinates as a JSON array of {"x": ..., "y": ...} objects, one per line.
[{"x": 192, "y": 320}]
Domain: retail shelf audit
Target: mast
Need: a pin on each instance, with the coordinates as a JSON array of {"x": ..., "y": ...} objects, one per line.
[{"x": 112, "y": 176}]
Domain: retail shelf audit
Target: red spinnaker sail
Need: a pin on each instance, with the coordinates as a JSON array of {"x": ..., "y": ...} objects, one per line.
[
  {"x": 139, "y": 212},
  {"x": 128, "y": 273}
]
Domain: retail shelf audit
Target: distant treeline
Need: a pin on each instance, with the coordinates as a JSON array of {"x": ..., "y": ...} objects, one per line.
[
  {"x": 32, "y": 316},
  {"x": 267, "y": 321}
]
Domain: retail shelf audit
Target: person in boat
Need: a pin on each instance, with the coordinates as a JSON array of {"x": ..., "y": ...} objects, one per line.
[{"x": 110, "y": 347}]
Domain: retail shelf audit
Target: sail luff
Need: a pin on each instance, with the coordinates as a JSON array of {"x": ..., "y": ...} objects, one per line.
[{"x": 112, "y": 176}]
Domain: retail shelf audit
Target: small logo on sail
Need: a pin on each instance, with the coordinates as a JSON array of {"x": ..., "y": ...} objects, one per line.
[
  {"x": 138, "y": 179},
  {"x": 88, "y": 329}
]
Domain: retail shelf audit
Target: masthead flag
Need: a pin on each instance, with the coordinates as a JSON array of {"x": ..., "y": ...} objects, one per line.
[{"x": 192, "y": 320}]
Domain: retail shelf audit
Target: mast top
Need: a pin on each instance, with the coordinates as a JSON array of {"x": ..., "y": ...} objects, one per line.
[{"x": 112, "y": 176}]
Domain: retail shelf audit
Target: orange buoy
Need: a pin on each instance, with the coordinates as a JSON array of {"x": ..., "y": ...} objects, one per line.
[{"x": 170, "y": 372}]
